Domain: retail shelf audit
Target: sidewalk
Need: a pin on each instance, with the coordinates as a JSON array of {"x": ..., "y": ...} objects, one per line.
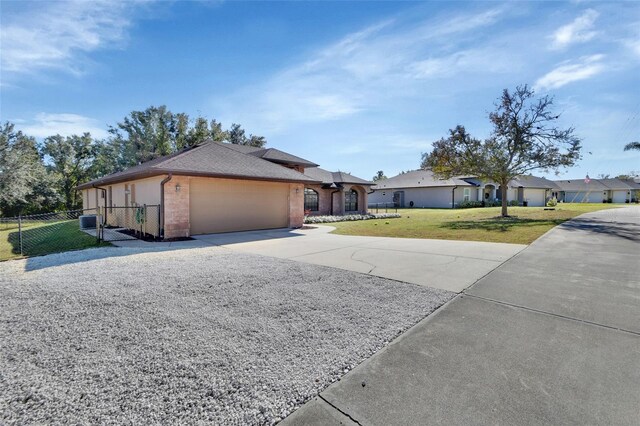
[{"x": 550, "y": 337}]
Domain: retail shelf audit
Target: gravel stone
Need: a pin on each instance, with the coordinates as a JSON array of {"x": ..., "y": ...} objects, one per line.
[{"x": 206, "y": 335}]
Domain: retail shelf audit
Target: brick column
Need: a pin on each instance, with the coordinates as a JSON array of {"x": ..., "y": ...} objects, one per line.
[
  {"x": 176, "y": 208},
  {"x": 296, "y": 205}
]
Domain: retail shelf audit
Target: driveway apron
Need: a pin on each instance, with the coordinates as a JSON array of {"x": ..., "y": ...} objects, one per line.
[{"x": 552, "y": 336}]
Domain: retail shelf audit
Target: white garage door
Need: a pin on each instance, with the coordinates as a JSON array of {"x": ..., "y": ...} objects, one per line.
[
  {"x": 583, "y": 197},
  {"x": 535, "y": 197},
  {"x": 619, "y": 196},
  {"x": 226, "y": 205}
]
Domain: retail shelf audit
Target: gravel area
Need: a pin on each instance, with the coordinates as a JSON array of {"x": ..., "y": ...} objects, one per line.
[{"x": 116, "y": 335}]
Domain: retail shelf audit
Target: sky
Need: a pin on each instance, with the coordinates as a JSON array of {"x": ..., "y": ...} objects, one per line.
[{"x": 353, "y": 86}]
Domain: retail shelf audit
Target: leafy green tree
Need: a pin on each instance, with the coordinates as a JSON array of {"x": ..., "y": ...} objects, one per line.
[
  {"x": 524, "y": 138},
  {"x": 25, "y": 186},
  {"x": 199, "y": 132},
  {"x": 182, "y": 131},
  {"x": 379, "y": 176},
  {"x": 70, "y": 162},
  {"x": 236, "y": 135},
  {"x": 145, "y": 135},
  {"x": 632, "y": 146},
  {"x": 217, "y": 134}
]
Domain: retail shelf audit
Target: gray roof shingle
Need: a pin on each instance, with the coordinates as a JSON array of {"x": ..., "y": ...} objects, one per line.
[
  {"x": 595, "y": 185},
  {"x": 214, "y": 159},
  {"x": 328, "y": 178},
  {"x": 418, "y": 179}
]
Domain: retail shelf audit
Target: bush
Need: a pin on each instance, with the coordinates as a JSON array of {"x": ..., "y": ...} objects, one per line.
[
  {"x": 513, "y": 203},
  {"x": 552, "y": 202},
  {"x": 350, "y": 217},
  {"x": 469, "y": 204}
]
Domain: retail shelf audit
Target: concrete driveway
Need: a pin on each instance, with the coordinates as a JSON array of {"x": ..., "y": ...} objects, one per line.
[
  {"x": 552, "y": 336},
  {"x": 448, "y": 265}
]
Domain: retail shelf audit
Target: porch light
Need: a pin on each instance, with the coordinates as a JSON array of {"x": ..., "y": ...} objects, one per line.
[{"x": 178, "y": 187}]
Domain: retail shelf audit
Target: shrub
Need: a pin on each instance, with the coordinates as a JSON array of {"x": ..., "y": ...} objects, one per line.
[
  {"x": 552, "y": 202},
  {"x": 350, "y": 217},
  {"x": 513, "y": 203},
  {"x": 469, "y": 204}
]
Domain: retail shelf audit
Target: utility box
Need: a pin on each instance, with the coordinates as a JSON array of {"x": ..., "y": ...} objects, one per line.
[{"x": 88, "y": 221}]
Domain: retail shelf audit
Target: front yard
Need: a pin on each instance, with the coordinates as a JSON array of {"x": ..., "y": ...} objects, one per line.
[
  {"x": 524, "y": 226},
  {"x": 40, "y": 238},
  {"x": 192, "y": 336}
]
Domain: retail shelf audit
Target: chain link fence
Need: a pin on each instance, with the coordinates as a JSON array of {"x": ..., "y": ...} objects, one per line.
[
  {"x": 46, "y": 233},
  {"x": 129, "y": 223},
  {"x": 382, "y": 206}
]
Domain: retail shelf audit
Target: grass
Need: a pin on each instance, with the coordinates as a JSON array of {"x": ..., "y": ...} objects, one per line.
[
  {"x": 524, "y": 225},
  {"x": 41, "y": 238}
]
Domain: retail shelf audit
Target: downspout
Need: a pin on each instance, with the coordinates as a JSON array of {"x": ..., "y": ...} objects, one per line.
[
  {"x": 104, "y": 192},
  {"x": 165, "y": 180},
  {"x": 453, "y": 197}
]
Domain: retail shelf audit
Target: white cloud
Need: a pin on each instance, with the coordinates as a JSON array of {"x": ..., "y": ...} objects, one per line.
[
  {"x": 56, "y": 34},
  {"x": 360, "y": 71},
  {"x": 64, "y": 124},
  {"x": 578, "y": 31},
  {"x": 569, "y": 72}
]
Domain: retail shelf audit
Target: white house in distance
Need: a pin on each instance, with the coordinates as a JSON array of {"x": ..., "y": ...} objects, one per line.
[
  {"x": 419, "y": 188},
  {"x": 597, "y": 190}
]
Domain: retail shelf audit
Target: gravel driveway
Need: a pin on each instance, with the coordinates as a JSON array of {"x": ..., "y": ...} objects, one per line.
[{"x": 186, "y": 336}]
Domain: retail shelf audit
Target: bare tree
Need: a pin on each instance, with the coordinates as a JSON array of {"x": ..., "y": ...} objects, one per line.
[{"x": 524, "y": 138}]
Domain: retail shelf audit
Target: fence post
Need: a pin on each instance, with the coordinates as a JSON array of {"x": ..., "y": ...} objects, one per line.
[{"x": 20, "y": 233}]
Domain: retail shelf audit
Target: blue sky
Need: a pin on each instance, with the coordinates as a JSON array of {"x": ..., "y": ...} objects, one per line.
[{"x": 353, "y": 86}]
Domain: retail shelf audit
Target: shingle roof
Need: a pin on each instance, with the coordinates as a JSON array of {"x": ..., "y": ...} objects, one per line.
[
  {"x": 533, "y": 182},
  {"x": 328, "y": 178},
  {"x": 616, "y": 183},
  {"x": 213, "y": 159},
  {"x": 418, "y": 179},
  {"x": 273, "y": 155},
  {"x": 580, "y": 185},
  {"x": 596, "y": 184}
]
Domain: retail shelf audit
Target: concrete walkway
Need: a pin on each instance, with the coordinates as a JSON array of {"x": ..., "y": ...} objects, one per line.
[
  {"x": 448, "y": 265},
  {"x": 550, "y": 337}
]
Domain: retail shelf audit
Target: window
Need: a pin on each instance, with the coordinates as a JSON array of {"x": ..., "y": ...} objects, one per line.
[
  {"x": 467, "y": 194},
  {"x": 110, "y": 199},
  {"x": 350, "y": 201},
  {"x": 310, "y": 200}
]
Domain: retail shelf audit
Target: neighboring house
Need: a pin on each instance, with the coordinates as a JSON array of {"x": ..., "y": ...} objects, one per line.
[
  {"x": 597, "y": 190},
  {"x": 420, "y": 188},
  {"x": 220, "y": 187}
]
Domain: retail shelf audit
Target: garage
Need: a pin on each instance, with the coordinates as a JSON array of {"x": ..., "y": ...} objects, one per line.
[
  {"x": 619, "y": 196},
  {"x": 226, "y": 205},
  {"x": 535, "y": 197}
]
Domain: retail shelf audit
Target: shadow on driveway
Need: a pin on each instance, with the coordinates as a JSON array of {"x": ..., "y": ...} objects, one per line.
[{"x": 627, "y": 230}]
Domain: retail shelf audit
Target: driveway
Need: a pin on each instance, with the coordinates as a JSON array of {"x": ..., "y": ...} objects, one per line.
[
  {"x": 552, "y": 336},
  {"x": 181, "y": 334},
  {"x": 448, "y": 265}
]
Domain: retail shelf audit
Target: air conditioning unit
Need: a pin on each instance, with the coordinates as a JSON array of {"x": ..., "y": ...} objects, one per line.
[{"x": 87, "y": 221}]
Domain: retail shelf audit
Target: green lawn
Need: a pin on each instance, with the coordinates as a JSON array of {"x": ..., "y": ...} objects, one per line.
[
  {"x": 44, "y": 238},
  {"x": 480, "y": 224}
]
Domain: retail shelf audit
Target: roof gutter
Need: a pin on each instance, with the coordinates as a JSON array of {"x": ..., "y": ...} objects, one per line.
[{"x": 165, "y": 180}]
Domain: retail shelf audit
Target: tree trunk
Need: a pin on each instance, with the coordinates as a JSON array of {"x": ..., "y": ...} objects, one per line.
[{"x": 503, "y": 191}]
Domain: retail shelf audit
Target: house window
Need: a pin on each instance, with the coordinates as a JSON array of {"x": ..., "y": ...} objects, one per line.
[
  {"x": 110, "y": 199},
  {"x": 467, "y": 194},
  {"x": 350, "y": 201},
  {"x": 310, "y": 200}
]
